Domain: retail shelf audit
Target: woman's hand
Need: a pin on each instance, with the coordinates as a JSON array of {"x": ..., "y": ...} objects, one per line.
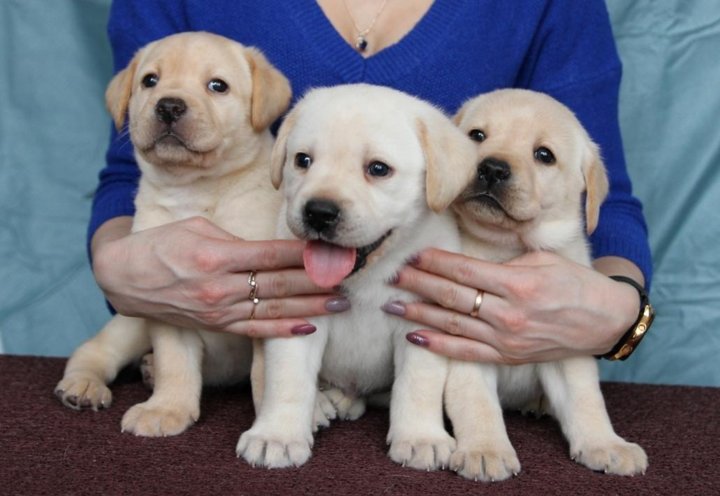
[
  {"x": 195, "y": 275},
  {"x": 537, "y": 307}
]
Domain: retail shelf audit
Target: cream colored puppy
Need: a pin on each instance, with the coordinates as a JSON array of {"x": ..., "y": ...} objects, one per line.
[
  {"x": 365, "y": 171},
  {"x": 199, "y": 109},
  {"x": 534, "y": 163}
]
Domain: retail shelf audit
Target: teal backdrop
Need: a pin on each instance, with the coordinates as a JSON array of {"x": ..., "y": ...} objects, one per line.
[{"x": 56, "y": 62}]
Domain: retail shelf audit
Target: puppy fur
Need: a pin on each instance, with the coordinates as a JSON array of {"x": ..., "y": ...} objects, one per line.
[
  {"x": 515, "y": 204},
  {"x": 344, "y": 130},
  {"x": 203, "y": 151}
]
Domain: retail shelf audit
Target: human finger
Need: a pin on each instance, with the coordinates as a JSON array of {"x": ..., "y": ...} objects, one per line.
[
  {"x": 457, "y": 347},
  {"x": 284, "y": 283},
  {"x": 442, "y": 291},
  {"x": 244, "y": 256},
  {"x": 232, "y": 288},
  {"x": 444, "y": 320},
  {"x": 283, "y": 328},
  {"x": 285, "y": 308},
  {"x": 465, "y": 270}
]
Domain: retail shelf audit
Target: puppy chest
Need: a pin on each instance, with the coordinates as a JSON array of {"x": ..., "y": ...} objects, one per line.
[{"x": 359, "y": 353}]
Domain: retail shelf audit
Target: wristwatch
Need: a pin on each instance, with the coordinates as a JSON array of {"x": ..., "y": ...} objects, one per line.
[{"x": 637, "y": 331}]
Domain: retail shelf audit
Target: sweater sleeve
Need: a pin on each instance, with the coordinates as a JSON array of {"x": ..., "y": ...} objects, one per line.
[
  {"x": 132, "y": 24},
  {"x": 576, "y": 61}
]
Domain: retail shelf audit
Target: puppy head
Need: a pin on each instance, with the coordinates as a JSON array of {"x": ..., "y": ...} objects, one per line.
[
  {"x": 534, "y": 162},
  {"x": 194, "y": 99},
  {"x": 359, "y": 163}
]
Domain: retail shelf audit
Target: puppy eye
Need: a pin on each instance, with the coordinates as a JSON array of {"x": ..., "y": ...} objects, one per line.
[
  {"x": 150, "y": 80},
  {"x": 378, "y": 169},
  {"x": 218, "y": 86},
  {"x": 477, "y": 135},
  {"x": 302, "y": 161},
  {"x": 544, "y": 156}
]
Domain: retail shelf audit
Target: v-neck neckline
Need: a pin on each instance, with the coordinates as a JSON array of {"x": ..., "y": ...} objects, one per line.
[{"x": 404, "y": 56}]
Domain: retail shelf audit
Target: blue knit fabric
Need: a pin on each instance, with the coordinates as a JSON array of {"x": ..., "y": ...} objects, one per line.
[{"x": 460, "y": 48}]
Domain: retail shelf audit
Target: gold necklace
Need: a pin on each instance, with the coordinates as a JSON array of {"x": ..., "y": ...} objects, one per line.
[{"x": 361, "y": 42}]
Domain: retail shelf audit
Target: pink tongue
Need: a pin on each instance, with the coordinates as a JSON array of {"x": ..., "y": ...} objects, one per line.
[{"x": 326, "y": 264}]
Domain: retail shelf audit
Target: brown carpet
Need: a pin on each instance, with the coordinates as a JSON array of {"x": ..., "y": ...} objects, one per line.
[{"x": 46, "y": 448}]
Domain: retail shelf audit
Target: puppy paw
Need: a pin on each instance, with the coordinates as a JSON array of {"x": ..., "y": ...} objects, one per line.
[
  {"x": 324, "y": 412},
  {"x": 536, "y": 407},
  {"x": 614, "y": 457},
  {"x": 79, "y": 391},
  {"x": 273, "y": 448},
  {"x": 150, "y": 419},
  {"x": 488, "y": 464},
  {"x": 147, "y": 368},
  {"x": 347, "y": 407},
  {"x": 427, "y": 452}
]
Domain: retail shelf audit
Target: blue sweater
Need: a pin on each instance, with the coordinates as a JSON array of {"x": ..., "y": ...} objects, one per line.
[{"x": 460, "y": 48}]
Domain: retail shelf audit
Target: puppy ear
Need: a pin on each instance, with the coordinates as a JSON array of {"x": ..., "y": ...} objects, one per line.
[
  {"x": 596, "y": 185},
  {"x": 449, "y": 158},
  {"x": 271, "y": 91},
  {"x": 279, "y": 151},
  {"x": 117, "y": 94}
]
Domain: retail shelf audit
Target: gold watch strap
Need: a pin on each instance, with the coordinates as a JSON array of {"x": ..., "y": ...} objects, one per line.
[{"x": 637, "y": 331}]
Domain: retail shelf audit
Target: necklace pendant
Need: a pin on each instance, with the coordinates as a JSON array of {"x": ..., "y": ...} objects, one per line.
[{"x": 361, "y": 43}]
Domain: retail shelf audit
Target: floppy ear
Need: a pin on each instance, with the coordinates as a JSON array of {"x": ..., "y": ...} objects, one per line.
[
  {"x": 271, "y": 91},
  {"x": 117, "y": 94},
  {"x": 449, "y": 159},
  {"x": 279, "y": 151},
  {"x": 596, "y": 185}
]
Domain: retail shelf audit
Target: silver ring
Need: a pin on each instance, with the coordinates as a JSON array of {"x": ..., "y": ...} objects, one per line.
[
  {"x": 252, "y": 282},
  {"x": 478, "y": 302}
]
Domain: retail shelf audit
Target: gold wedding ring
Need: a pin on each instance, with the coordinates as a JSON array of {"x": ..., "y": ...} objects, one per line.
[
  {"x": 253, "y": 293},
  {"x": 478, "y": 302}
]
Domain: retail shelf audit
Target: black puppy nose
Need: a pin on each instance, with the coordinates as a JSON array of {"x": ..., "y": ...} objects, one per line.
[
  {"x": 169, "y": 110},
  {"x": 321, "y": 215},
  {"x": 493, "y": 171}
]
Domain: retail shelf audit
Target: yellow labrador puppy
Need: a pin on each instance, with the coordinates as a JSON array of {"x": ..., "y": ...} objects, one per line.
[
  {"x": 535, "y": 161},
  {"x": 199, "y": 108},
  {"x": 365, "y": 172}
]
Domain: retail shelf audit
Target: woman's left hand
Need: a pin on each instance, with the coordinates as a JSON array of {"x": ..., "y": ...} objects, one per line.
[{"x": 537, "y": 307}]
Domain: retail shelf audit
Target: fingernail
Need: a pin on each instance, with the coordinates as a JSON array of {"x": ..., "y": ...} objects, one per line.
[
  {"x": 395, "y": 308},
  {"x": 414, "y": 259},
  {"x": 337, "y": 304},
  {"x": 303, "y": 329},
  {"x": 394, "y": 279},
  {"x": 417, "y": 339}
]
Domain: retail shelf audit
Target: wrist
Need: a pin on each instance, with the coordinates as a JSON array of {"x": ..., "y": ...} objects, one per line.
[
  {"x": 637, "y": 330},
  {"x": 112, "y": 230}
]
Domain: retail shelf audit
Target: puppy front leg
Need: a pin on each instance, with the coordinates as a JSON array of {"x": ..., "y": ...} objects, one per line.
[
  {"x": 175, "y": 401},
  {"x": 417, "y": 435},
  {"x": 281, "y": 435},
  {"x": 97, "y": 361},
  {"x": 573, "y": 391},
  {"x": 484, "y": 451}
]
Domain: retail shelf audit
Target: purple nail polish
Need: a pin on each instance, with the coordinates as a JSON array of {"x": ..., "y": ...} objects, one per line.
[
  {"x": 337, "y": 304},
  {"x": 414, "y": 259},
  {"x": 394, "y": 279},
  {"x": 395, "y": 308},
  {"x": 303, "y": 329},
  {"x": 417, "y": 339}
]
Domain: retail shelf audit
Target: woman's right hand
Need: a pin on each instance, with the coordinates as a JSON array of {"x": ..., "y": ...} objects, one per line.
[{"x": 193, "y": 274}]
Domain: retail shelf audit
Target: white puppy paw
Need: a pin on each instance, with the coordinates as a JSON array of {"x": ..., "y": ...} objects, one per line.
[
  {"x": 485, "y": 463},
  {"x": 613, "y": 457},
  {"x": 80, "y": 391},
  {"x": 427, "y": 452},
  {"x": 347, "y": 407},
  {"x": 271, "y": 448},
  {"x": 147, "y": 368},
  {"x": 153, "y": 419},
  {"x": 324, "y": 412}
]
